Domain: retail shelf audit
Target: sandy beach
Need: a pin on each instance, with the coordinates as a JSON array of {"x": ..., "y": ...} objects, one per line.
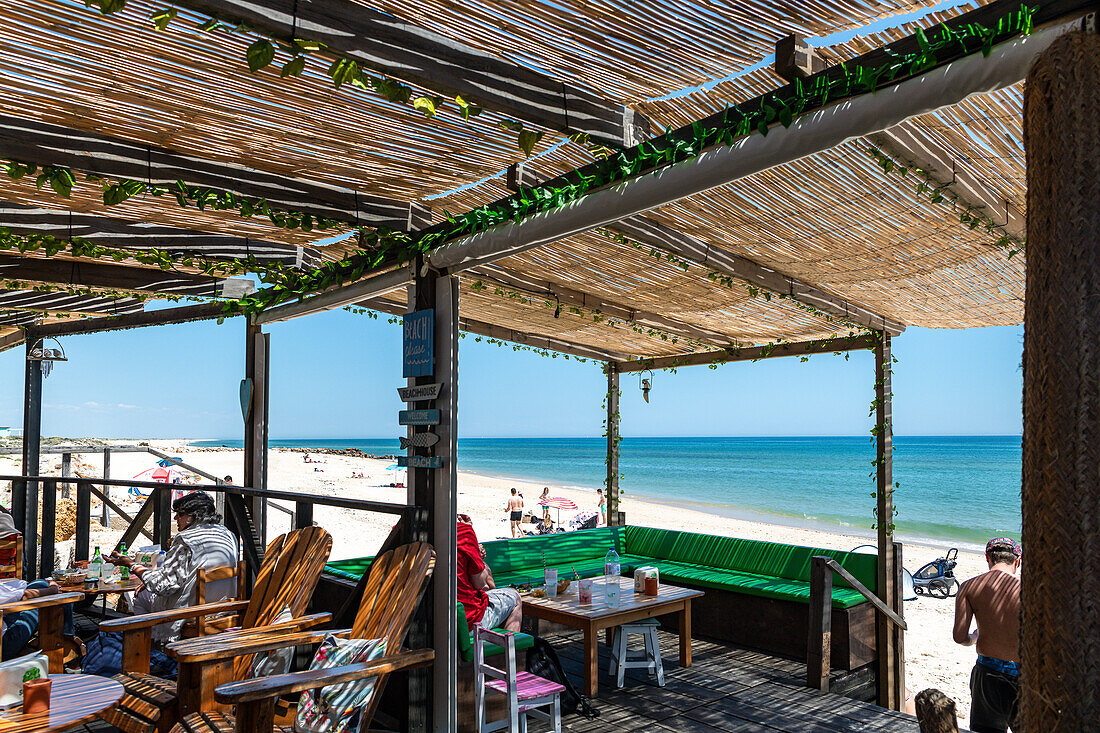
[{"x": 933, "y": 660}]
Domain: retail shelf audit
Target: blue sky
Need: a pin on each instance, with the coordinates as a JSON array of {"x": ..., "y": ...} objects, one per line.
[{"x": 335, "y": 374}]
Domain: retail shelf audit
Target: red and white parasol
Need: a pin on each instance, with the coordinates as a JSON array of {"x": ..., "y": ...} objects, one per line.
[{"x": 559, "y": 503}]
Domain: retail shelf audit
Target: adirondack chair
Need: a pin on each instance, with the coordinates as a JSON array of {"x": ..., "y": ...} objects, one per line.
[
  {"x": 202, "y": 626},
  {"x": 291, "y": 568},
  {"x": 11, "y": 556},
  {"x": 394, "y": 588}
]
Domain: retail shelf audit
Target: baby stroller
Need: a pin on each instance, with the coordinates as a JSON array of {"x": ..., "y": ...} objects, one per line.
[{"x": 937, "y": 578}]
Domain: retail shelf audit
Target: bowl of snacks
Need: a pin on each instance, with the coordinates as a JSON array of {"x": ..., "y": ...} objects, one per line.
[
  {"x": 563, "y": 585},
  {"x": 70, "y": 576},
  {"x": 538, "y": 592}
]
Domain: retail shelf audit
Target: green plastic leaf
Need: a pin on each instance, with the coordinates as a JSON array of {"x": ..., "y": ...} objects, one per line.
[
  {"x": 260, "y": 54},
  {"x": 62, "y": 182},
  {"x": 306, "y": 46},
  {"x": 510, "y": 125},
  {"x": 211, "y": 24},
  {"x": 343, "y": 71},
  {"x": 392, "y": 90},
  {"x": 161, "y": 18},
  {"x": 427, "y": 105},
  {"x": 294, "y": 67},
  {"x": 466, "y": 109},
  {"x": 108, "y": 6}
]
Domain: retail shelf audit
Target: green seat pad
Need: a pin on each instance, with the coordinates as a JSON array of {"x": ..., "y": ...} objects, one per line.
[
  {"x": 556, "y": 550},
  {"x": 750, "y": 583},
  {"x": 466, "y": 639},
  {"x": 351, "y": 569}
]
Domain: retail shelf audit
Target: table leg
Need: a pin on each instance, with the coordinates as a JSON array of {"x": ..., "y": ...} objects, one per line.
[
  {"x": 50, "y": 621},
  {"x": 591, "y": 661},
  {"x": 609, "y": 636},
  {"x": 685, "y": 634}
]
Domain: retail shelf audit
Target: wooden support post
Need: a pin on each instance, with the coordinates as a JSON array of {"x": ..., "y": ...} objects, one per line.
[
  {"x": 66, "y": 472},
  {"x": 303, "y": 514},
  {"x": 25, "y": 501},
  {"x": 257, "y": 352},
  {"x": 889, "y": 662},
  {"x": 433, "y": 491},
  {"x": 106, "y": 518},
  {"x": 162, "y": 516},
  {"x": 611, "y": 485},
  {"x": 1060, "y": 615},
  {"x": 83, "y": 520},
  {"x": 820, "y": 642},
  {"x": 49, "y": 524},
  {"x": 899, "y": 633}
]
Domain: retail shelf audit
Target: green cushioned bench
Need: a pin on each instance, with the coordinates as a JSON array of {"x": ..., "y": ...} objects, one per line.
[{"x": 768, "y": 569}]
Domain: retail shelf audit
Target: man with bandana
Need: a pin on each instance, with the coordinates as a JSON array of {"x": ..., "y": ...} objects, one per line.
[{"x": 993, "y": 600}]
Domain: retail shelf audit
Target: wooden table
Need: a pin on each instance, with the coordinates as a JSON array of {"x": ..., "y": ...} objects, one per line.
[
  {"x": 591, "y": 617},
  {"x": 103, "y": 589},
  {"x": 74, "y": 699}
]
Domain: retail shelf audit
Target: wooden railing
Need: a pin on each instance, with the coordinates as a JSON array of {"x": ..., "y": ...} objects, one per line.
[
  {"x": 819, "y": 648},
  {"x": 157, "y": 506}
]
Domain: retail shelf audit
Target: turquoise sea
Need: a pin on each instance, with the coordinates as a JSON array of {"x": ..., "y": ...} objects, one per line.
[{"x": 959, "y": 490}]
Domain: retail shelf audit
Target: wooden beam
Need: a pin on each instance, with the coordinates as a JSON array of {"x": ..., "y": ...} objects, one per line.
[
  {"x": 120, "y": 277},
  {"x": 797, "y": 59},
  {"x": 61, "y": 302},
  {"x": 752, "y": 353},
  {"x": 505, "y": 334},
  {"x": 11, "y": 340},
  {"x": 338, "y": 297},
  {"x": 571, "y": 297},
  {"x": 661, "y": 237},
  {"x": 163, "y": 317},
  {"x": 387, "y": 44},
  {"x": 910, "y": 145},
  {"x": 176, "y": 241},
  {"x": 89, "y": 152}
]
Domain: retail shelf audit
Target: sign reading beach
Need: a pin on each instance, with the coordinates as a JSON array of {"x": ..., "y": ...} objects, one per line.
[{"x": 417, "y": 343}]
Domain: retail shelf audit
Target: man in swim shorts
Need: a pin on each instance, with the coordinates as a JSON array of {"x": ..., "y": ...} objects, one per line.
[
  {"x": 485, "y": 604},
  {"x": 993, "y": 600},
  {"x": 515, "y": 513}
]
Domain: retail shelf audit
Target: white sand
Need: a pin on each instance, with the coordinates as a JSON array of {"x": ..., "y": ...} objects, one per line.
[{"x": 933, "y": 659}]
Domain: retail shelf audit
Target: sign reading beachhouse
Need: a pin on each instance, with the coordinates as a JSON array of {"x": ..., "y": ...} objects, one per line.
[{"x": 417, "y": 343}]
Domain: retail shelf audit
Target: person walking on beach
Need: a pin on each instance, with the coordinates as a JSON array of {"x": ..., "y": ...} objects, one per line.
[
  {"x": 993, "y": 600},
  {"x": 602, "y": 507},
  {"x": 543, "y": 498},
  {"x": 515, "y": 513}
]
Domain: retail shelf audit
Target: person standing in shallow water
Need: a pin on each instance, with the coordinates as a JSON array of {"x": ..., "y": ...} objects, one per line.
[
  {"x": 993, "y": 600},
  {"x": 515, "y": 513}
]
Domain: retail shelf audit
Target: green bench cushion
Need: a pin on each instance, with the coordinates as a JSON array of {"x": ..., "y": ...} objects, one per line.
[
  {"x": 557, "y": 550},
  {"x": 750, "y": 584},
  {"x": 768, "y": 559},
  {"x": 352, "y": 569},
  {"x": 466, "y": 639},
  {"x": 585, "y": 568}
]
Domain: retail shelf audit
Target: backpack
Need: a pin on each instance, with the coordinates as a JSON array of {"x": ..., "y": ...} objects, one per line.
[{"x": 543, "y": 661}]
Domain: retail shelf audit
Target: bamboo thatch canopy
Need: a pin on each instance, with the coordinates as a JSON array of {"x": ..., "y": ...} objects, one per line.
[{"x": 833, "y": 223}]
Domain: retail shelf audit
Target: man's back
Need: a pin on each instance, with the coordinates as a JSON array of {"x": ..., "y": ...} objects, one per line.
[{"x": 994, "y": 600}]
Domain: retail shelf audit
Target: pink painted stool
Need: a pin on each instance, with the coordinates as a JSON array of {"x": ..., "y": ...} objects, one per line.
[{"x": 527, "y": 693}]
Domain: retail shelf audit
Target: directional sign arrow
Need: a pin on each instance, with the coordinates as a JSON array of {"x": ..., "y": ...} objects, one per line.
[
  {"x": 419, "y": 440},
  {"x": 420, "y": 392},
  {"x": 418, "y": 417}
]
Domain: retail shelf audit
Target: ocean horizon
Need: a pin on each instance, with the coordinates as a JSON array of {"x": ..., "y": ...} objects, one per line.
[{"x": 956, "y": 490}]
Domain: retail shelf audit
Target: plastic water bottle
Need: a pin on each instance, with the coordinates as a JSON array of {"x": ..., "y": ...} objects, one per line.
[
  {"x": 125, "y": 569},
  {"x": 611, "y": 571},
  {"x": 611, "y": 565}
]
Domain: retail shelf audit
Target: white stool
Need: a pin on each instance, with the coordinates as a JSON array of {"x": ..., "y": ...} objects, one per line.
[{"x": 620, "y": 651}]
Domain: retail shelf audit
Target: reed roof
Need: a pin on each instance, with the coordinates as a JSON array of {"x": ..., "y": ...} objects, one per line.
[{"x": 835, "y": 220}]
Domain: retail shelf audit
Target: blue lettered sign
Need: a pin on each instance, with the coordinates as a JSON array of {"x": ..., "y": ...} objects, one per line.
[{"x": 417, "y": 343}]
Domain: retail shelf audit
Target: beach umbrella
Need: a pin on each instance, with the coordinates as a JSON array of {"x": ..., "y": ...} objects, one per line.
[{"x": 559, "y": 503}]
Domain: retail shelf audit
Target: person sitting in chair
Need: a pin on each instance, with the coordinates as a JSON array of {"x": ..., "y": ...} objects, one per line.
[
  {"x": 202, "y": 542},
  {"x": 485, "y": 604}
]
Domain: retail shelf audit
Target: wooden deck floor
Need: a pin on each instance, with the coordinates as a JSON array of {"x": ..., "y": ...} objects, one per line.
[{"x": 726, "y": 689}]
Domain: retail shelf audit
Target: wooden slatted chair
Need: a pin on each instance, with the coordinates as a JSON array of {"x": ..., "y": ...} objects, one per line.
[
  {"x": 11, "y": 556},
  {"x": 202, "y": 625},
  {"x": 50, "y": 622},
  {"x": 394, "y": 588},
  {"x": 291, "y": 569}
]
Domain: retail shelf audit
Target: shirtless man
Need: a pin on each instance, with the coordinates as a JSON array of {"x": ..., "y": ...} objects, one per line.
[
  {"x": 515, "y": 513},
  {"x": 993, "y": 599}
]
